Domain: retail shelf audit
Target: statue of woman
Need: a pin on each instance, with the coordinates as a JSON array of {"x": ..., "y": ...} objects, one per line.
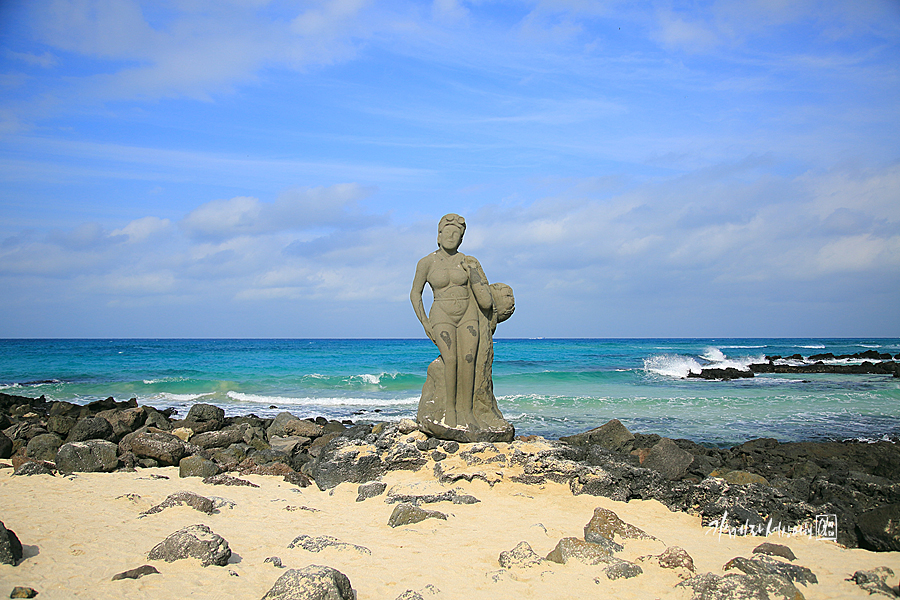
[{"x": 460, "y": 323}]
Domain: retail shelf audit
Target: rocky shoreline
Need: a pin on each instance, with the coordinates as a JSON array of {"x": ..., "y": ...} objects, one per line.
[
  {"x": 761, "y": 488},
  {"x": 762, "y": 483},
  {"x": 884, "y": 364}
]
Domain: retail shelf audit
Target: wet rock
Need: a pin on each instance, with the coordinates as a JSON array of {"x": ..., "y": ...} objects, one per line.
[
  {"x": 879, "y": 529},
  {"x": 732, "y": 586},
  {"x": 43, "y": 447},
  {"x": 194, "y": 541},
  {"x": 90, "y": 456},
  {"x": 874, "y": 581},
  {"x": 91, "y": 428},
  {"x": 407, "y": 514},
  {"x": 10, "y": 546},
  {"x": 771, "y": 566},
  {"x": 314, "y": 582},
  {"x": 321, "y": 542},
  {"x": 668, "y": 459},
  {"x": 23, "y": 592},
  {"x": 191, "y": 499},
  {"x": 571, "y": 548},
  {"x": 520, "y": 556},
  {"x": 613, "y": 436},
  {"x": 771, "y": 549},
  {"x": 370, "y": 490},
  {"x": 136, "y": 573},
  {"x": 622, "y": 569},
  {"x": 197, "y": 466}
]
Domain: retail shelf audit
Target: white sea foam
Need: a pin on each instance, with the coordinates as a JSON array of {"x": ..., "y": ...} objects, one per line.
[
  {"x": 672, "y": 365},
  {"x": 182, "y": 397},
  {"x": 319, "y": 401},
  {"x": 814, "y": 347},
  {"x": 164, "y": 380},
  {"x": 713, "y": 355}
]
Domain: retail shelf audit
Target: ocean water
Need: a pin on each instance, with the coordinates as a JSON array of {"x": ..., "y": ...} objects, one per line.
[{"x": 548, "y": 387}]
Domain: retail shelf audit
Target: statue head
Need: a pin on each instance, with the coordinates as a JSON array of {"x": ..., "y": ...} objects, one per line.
[{"x": 452, "y": 220}]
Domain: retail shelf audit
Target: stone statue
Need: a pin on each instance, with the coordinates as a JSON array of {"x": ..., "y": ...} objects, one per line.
[{"x": 458, "y": 396}]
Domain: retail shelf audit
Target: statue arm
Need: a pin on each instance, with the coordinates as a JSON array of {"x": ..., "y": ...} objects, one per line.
[
  {"x": 415, "y": 295},
  {"x": 479, "y": 282}
]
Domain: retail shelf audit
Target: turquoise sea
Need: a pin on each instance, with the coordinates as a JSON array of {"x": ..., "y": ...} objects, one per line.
[{"x": 548, "y": 387}]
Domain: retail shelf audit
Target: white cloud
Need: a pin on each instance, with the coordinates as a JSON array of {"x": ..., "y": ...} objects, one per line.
[{"x": 298, "y": 209}]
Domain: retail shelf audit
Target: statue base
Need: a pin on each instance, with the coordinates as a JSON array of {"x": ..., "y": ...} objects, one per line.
[{"x": 486, "y": 424}]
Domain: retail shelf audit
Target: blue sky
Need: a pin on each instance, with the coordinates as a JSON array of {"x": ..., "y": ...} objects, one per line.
[{"x": 244, "y": 168}]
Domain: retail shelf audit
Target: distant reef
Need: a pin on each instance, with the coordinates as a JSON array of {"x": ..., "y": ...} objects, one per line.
[{"x": 884, "y": 364}]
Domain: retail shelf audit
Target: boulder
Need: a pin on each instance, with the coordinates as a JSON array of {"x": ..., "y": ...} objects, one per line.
[
  {"x": 879, "y": 529},
  {"x": 668, "y": 459},
  {"x": 622, "y": 569},
  {"x": 874, "y": 581},
  {"x": 286, "y": 424},
  {"x": 202, "y": 412},
  {"x": 571, "y": 548},
  {"x": 124, "y": 421},
  {"x": 311, "y": 583},
  {"x": 194, "y": 541},
  {"x": 90, "y": 456},
  {"x": 613, "y": 436},
  {"x": 21, "y": 591},
  {"x": 219, "y": 439},
  {"x": 605, "y": 525},
  {"x": 407, "y": 514},
  {"x": 197, "y": 466},
  {"x": 164, "y": 448},
  {"x": 35, "y": 467},
  {"x": 770, "y": 566},
  {"x": 10, "y": 546},
  {"x": 191, "y": 499},
  {"x": 710, "y": 586},
  {"x": 43, "y": 447},
  {"x": 6, "y": 446},
  {"x": 771, "y": 549},
  {"x": 339, "y": 461},
  {"x": 91, "y": 428},
  {"x": 61, "y": 424},
  {"x": 520, "y": 556},
  {"x": 676, "y": 557},
  {"x": 370, "y": 490}
]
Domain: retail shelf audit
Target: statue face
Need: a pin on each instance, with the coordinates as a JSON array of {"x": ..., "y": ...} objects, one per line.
[{"x": 450, "y": 237}]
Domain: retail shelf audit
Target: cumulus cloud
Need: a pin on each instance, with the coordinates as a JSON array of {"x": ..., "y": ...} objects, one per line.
[{"x": 297, "y": 209}]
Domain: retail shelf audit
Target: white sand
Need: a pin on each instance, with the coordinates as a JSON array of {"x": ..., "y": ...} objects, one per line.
[{"x": 79, "y": 531}]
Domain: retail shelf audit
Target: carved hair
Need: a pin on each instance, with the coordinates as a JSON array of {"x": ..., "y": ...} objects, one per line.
[{"x": 453, "y": 219}]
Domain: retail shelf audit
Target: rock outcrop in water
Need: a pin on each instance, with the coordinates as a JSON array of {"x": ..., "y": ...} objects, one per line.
[{"x": 884, "y": 364}]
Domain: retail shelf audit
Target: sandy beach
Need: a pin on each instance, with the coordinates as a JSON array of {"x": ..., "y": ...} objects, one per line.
[{"x": 80, "y": 530}]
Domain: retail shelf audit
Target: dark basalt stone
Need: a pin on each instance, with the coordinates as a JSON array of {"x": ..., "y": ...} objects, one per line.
[{"x": 10, "y": 546}]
